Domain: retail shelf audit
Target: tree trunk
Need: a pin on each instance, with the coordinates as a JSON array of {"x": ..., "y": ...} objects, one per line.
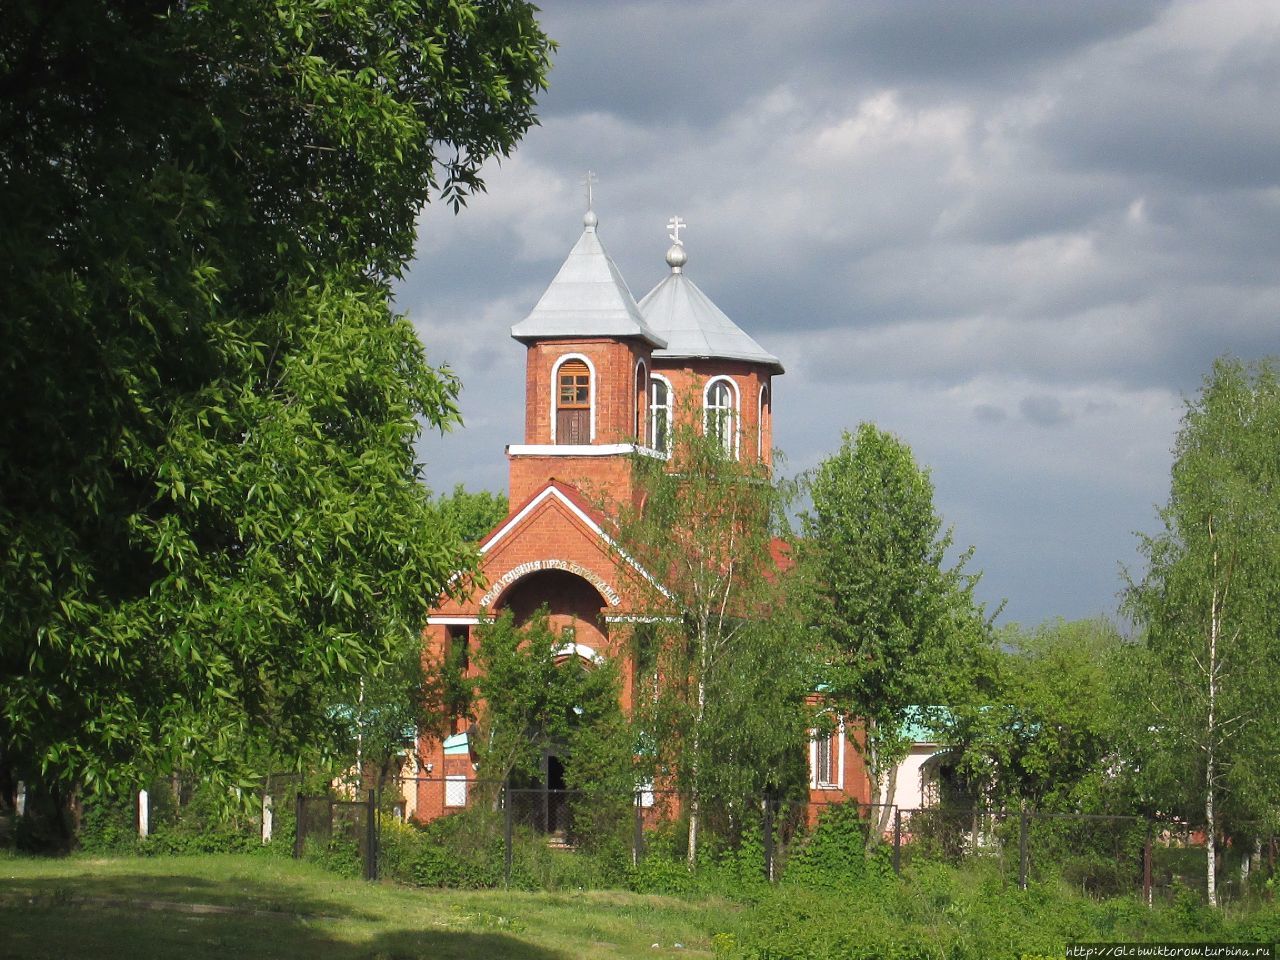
[
  {"x": 884, "y": 813},
  {"x": 695, "y": 812},
  {"x": 1211, "y": 822},
  {"x": 875, "y": 775}
]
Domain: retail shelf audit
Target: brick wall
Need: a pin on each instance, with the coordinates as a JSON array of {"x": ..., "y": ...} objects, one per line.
[
  {"x": 689, "y": 379},
  {"x": 613, "y": 386}
]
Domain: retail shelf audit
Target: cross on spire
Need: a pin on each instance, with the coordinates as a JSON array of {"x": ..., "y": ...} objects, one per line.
[
  {"x": 674, "y": 225},
  {"x": 587, "y": 181}
]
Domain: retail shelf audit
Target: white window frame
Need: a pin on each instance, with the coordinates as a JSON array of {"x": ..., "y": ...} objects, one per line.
[
  {"x": 645, "y": 790},
  {"x": 641, "y": 397},
  {"x": 555, "y": 391},
  {"x": 837, "y": 742},
  {"x": 455, "y": 789},
  {"x": 735, "y": 413},
  {"x": 766, "y": 396},
  {"x": 669, "y": 407}
]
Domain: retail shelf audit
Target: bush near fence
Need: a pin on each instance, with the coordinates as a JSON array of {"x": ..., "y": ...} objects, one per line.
[{"x": 637, "y": 842}]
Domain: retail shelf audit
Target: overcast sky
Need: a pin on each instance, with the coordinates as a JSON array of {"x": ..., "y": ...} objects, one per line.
[{"x": 1015, "y": 234}]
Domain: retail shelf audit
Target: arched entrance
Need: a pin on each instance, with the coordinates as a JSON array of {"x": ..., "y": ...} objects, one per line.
[
  {"x": 575, "y": 611},
  {"x": 575, "y": 608}
]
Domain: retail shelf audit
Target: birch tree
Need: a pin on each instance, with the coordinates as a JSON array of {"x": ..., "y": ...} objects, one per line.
[
  {"x": 1209, "y": 603},
  {"x": 724, "y": 706}
]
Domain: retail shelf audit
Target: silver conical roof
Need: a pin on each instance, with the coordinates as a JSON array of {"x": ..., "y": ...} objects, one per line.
[
  {"x": 693, "y": 326},
  {"x": 587, "y": 298}
]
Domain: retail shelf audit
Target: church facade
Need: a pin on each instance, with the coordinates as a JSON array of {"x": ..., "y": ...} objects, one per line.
[{"x": 607, "y": 378}]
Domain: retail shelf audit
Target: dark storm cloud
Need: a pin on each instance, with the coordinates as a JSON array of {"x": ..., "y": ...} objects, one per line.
[
  {"x": 1205, "y": 117},
  {"x": 913, "y": 41},
  {"x": 664, "y": 62}
]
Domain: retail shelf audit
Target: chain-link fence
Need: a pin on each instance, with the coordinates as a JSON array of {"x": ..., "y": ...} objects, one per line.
[
  {"x": 524, "y": 828},
  {"x": 336, "y": 826},
  {"x": 463, "y": 831}
]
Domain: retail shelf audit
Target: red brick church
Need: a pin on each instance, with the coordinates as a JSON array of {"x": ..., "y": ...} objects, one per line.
[{"x": 607, "y": 378}]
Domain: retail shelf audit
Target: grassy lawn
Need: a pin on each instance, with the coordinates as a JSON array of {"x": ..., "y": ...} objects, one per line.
[{"x": 143, "y": 907}]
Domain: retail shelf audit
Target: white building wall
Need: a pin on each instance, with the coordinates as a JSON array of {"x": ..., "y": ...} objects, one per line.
[{"x": 908, "y": 792}]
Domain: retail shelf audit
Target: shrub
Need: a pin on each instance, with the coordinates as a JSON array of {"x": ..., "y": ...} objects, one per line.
[
  {"x": 463, "y": 850},
  {"x": 835, "y": 855},
  {"x": 108, "y": 825}
]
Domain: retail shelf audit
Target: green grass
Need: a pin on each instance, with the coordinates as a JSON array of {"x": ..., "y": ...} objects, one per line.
[{"x": 136, "y": 908}]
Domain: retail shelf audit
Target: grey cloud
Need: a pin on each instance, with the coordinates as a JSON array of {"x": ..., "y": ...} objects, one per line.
[
  {"x": 1044, "y": 410},
  {"x": 1072, "y": 204},
  {"x": 662, "y": 62},
  {"x": 922, "y": 40}
]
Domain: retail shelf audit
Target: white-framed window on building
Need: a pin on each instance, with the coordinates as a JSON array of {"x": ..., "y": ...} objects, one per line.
[
  {"x": 573, "y": 401},
  {"x": 660, "y": 413},
  {"x": 763, "y": 433},
  {"x": 824, "y": 768},
  {"x": 642, "y": 386},
  {"x": 645, "y": 793},
  {"x": 720, "y": 414},
  {"x": 826, "y": 758},
  {"x": 455, "y": 791}
]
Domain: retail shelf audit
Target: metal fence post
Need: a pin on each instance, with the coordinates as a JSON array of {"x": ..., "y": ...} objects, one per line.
[
  {"x": 897, "y": 840},
  {"x": 768, "y": 837},
  {"x": 507, "y": 801},
  {"x": 1147, "y": 883},
  {"x": 371, "y": 837},
  {"x": 299, "y": 832},
  {"x": 1022, "y": 848},
  {"x": 637, "y": 834}
]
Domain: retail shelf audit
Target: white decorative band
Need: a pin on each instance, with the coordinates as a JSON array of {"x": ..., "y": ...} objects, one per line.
[
  {"x": 581, "y": 450},
  {"x": 524, "y": 569}
]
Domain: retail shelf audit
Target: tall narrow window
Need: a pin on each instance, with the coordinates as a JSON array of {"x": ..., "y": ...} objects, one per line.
[
  {"x": 660, "y": 414},
  {"x": 721, "y": 415},
  {"x": 457, "y": 648},
  {"x": 763, "y": 433},
  {"x": 642, "y": 383},
  {"x": 824, "y": 769},
  {"x": 573, "y": 402}
]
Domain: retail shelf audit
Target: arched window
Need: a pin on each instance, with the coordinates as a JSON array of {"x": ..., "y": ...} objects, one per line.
[
  {"x": 642, "y": 385},
  {"x": 573, "y": 402},
  {"x": 763, "y": 433},
  {"x": 720, "y": 414},
  {"x": 660, "y": 404}
]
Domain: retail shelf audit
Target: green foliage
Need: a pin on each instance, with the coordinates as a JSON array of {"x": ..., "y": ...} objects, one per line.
[
  {"x": 970, "y": 913},
  {"x": 465, "y": 851},
  {"x": 211, "y": 517},
  {"x": 206, "y": 821},
  {"x": 832, "y": 857},
  {"x": 535, "y": 698},
  {"x": 472, "y": 515},
  {"x": 900, "y": 629},
  {"x": 722, "y": 708},
  {"x": 391, "y": 706},
  {"x": 423, "y": 856},
  {"x": 109, "y": 825},
  {"x": 1050, "y": 732},
  {"x": 1208, "y": 603}
]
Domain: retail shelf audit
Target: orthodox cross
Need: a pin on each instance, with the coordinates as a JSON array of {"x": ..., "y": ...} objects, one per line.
[
  {"x": 674, "y": 225},
  {"x": 587, "y": 181}
]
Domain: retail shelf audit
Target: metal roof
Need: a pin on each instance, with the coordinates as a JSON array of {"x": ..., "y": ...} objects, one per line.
[
  {"x": 587, "y": 298},
  {"x": 693, "y": 326}
]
